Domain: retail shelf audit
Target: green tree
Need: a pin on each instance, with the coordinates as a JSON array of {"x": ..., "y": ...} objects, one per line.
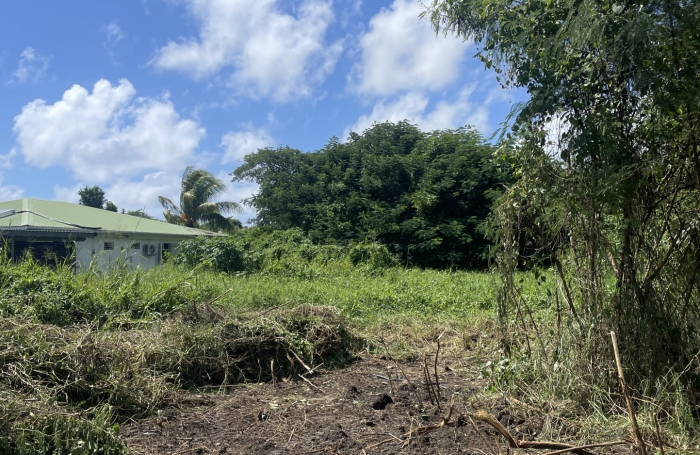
[
  {"x": 93, "y": 196},
  {"x": 617, "y": 193},
  {"x": 423, "y": 195},
  {"x": 196, "y": 209},
  {"x": 110, "y": 206}
]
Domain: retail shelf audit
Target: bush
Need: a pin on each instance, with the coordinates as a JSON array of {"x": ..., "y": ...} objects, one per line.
[
  {"x": 225, "y": 254},
  {"x": 282, "y": 253}
]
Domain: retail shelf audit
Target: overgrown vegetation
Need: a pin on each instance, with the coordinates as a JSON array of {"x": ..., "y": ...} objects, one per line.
[
  {"x": 608, "y": 190},
  {"x": 83, "y": 353},
  {"x": 422, "y": 195}
]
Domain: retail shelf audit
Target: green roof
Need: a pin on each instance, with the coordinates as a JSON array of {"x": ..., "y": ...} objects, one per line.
[{"x": 65, "y": 217}]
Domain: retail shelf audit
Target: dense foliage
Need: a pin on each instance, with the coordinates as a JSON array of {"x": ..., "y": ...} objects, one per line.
[
  {"x": 609, "y": 170},
  {"x": 281, "y": 253},
  {"x": 93, "y": 196},
  {"x": 423, "y": 195}
]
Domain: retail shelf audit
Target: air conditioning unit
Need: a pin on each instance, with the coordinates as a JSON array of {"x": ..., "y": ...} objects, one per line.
[{"x": 149, "y": 250}]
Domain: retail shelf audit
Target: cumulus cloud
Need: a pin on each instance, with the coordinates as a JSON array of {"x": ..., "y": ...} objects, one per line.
[
  {"x": 9, "y": 192},
  {"x": 269, "y": 53},
  {"x": 106, "y": 134},
  {"x": 31, "y": 66},
  {"x": 400, "y": 52},
  {"x": 137, "y": 195},
  {"x": 238, "y": 144},
  {"x": 132, "y": 195},
  {"x": 413, "y": 107}
]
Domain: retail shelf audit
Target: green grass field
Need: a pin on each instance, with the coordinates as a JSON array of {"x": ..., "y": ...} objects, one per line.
[{"x": 81, "y": 354}]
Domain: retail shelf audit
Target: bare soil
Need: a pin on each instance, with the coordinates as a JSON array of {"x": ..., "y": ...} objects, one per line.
[{"x": 354, "y": 410}]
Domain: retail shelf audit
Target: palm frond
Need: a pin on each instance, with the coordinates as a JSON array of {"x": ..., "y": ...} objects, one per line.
[
  {"x": 173, "y": 218},
  {"x": 216, "y": 222},
  {"x": 168, "y": 204},
  {"x": 229, "y": 207}
]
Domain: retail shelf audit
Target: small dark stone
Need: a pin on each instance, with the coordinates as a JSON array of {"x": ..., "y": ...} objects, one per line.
[
  {"x": 354, "y": 390},
  {"x": 381, "y": 403}
]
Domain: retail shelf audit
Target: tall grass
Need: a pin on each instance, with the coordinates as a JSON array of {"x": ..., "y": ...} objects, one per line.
[{"x": 81, "y": 353}]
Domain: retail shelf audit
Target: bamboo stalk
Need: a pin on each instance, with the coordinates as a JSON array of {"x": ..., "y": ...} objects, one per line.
[{"x": 637, "y": 435}]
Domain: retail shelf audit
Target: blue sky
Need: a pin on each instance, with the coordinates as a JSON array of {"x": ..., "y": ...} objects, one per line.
[{"x": 125, "y": 94}]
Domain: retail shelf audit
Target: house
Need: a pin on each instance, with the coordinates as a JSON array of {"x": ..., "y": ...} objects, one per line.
[{"x": 53, "y": 231}]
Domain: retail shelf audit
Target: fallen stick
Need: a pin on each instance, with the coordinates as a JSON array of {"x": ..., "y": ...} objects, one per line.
[
  {"x": 489, "y": 419},
  {"x": 302, "y": 362},
  {"x": 309, "y": 382},
  {"x": 638, "y": 436},
  {"x": 380, "y": 443},
  {"x": 471, "y": 421},
  {"x": 587, "y": 446},
  {"x": 429, "y": 428},
  {"x": 658, "y": 435},
  {"x": 274, "y": 308}
]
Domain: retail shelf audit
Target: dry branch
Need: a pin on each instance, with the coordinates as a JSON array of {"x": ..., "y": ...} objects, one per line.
[
  {"x": 513, "y": 443},
  {"x": 638, "y": 436}
]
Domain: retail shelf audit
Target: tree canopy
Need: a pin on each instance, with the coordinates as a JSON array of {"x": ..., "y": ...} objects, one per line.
[
  {"x": 197, "y": 209},
  {"x": 421, "y": 194},
  {"x": 617, "y": 191},
  {"x": 93, "y": 196}
]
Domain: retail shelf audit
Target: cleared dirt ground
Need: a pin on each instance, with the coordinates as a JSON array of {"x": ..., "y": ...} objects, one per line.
[{"x": 354, "y": 410}]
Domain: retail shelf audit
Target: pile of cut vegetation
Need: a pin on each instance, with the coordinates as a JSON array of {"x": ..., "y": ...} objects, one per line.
[{"x": 66, "y": 388}]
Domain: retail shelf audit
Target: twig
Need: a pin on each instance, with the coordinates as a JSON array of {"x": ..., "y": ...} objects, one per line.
[
  {"x": 482, "y": 436},
  {"x": 587, "y": 446},
  {"x": 272, "y": 371},
  {"x": 429, "y": 428},
  {"x": 410, "y": 384},
  {"x": 391, "y": 384},
  {"x": 658, "y": 435},
  {"x": 310, "y": 370},
  {"x": 638, "y": 436},
  {"x": 218, "y": 297},
  {"x": 380, "y": 443},
  {"x": 487, "y": 418},
  {"x": 192, "y": 450},
  {"x": 437, "y": 382},
  {"x": 309, "y": 382},
  {"x": 429, "y": 383},
  {"x": 274, "y": 308}
]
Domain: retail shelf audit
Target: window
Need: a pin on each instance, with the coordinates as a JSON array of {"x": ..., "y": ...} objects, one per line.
[
  {"x": 165, "y": 251},
  {"x": 135, "y": 246},
  {"x": 109, "y": 246}
]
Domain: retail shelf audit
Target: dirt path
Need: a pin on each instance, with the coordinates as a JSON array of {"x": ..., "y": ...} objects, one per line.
[{"x": 342, "y": 413}]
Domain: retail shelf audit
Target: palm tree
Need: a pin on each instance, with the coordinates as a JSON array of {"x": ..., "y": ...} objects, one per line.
[{"x": 196, "y": 210}]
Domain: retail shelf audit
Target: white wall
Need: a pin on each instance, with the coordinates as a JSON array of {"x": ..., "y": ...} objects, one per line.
[{"x": 92, "y": 251}]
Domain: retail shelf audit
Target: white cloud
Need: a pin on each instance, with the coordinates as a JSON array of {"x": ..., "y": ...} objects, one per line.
[
  {"x": 413, "y": 107},
  {"x": 9, "y": 192},
  {"x": 270, "y": 53},
  {"x": 67, "y": 193},
  {"x": 238, "y": 144},
  {"x": 401, "y": 52},
  {"x": 137, "y": 195},
  {"x": 106, "y": 134},
  {"x": 113, "y": 32},
  {"x": 31, "y": 65},
  {"x": 6, "y": 160},
  {"x": 132, "y": 195}
]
